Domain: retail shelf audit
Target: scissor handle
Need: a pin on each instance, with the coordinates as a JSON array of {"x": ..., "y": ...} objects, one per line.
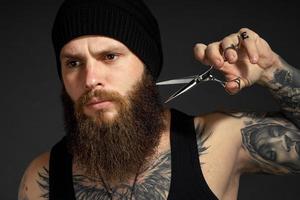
[
  {"x": 223, "y": 83},
  {"x": 207, "y": 76}
]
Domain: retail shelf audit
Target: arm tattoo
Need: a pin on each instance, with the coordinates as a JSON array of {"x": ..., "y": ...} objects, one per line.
[
  {"x": 273, "y": 143},
  {"x": 285, "y": 87},
  {"x": 43, "y": 182},
  {"x": 153, "y": 183},
  {"x": 202, "y": 149}
]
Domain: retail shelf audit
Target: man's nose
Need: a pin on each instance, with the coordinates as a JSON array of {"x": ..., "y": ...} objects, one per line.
[{"x": 94, "y": 75}]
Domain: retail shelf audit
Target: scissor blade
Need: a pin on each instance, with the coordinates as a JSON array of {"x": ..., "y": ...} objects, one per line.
[
  {"x": 182, "y": 90},
  {"x": 177, "y": 81}
]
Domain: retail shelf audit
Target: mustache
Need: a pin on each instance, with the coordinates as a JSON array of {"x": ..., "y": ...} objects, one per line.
[{"x": 101, "y": 95}]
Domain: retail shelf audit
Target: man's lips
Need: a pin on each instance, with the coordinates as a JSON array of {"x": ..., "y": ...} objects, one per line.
[{"x": 98, "y": 103}]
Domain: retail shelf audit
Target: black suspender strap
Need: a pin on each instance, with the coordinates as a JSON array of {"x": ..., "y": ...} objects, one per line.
[
  {"x": 60, "y": 173},
  {"x": 187, "y": 181}
]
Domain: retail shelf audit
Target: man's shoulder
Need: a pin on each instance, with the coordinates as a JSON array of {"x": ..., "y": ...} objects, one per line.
[
  {"x": 220, "y": 118},
  {"x": 35, "y": 178},
  {"x": 219, "y": 126}
]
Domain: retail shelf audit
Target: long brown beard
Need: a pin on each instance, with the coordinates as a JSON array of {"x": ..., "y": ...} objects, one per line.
[{"x": 115, "y": 149}]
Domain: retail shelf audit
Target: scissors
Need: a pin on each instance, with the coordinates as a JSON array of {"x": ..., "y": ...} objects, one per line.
[{"x": 190, "y": 82}]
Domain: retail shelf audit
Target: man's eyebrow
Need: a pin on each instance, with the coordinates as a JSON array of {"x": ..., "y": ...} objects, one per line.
[
  {"x": 107, "y": 50},
  {"x": 71, "y": 55}
]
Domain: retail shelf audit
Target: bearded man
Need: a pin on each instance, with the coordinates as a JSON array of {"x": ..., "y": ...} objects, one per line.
[{"x": 121, "y": 143}]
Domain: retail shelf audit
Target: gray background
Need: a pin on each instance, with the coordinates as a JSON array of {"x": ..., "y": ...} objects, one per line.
[{"x": 31, "y": 119}]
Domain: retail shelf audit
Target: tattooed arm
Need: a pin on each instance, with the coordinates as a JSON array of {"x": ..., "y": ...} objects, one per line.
[
  {"x": 284, "y": 84},
  {"x": 245, "y": 58},
  {"x": 274, "y": 141},
  {"x": 35, "y": 181}
]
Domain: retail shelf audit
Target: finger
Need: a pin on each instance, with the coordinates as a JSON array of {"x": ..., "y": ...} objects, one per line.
[
  {"x": 249, "y": 42},
  {"x": 199, "y": 53},
  {"x": 230, "y": 45},
  {"x": 232, "y": 88},
  {"x": 214, "y": 56},
  {"x": 234, "y": 84}
]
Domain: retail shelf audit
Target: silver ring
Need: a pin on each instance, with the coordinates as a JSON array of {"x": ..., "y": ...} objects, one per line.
[
  {"x": 238, "y": 81},
  {"x": 233, "y": 47}
]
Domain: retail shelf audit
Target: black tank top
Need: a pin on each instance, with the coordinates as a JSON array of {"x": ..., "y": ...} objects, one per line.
[{"x": 187, "y": 181}]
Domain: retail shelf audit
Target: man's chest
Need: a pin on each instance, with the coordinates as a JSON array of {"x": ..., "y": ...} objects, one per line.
[
  {"x": 152, "y": 183},
  {"x": 216, "y": 165}
]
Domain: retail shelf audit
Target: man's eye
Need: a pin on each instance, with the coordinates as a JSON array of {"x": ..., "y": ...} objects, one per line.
[
  {"x": 73, "y": 63},
  {"x": 111, "y": 57}
]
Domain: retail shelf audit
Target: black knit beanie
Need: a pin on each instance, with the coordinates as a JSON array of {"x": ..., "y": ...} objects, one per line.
[{"x": 128, "y": 21}]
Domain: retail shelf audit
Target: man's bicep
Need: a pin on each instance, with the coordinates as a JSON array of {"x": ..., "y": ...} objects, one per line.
[
  {"x": 272, "y": 143},
  {"x": 35, "y": 181}
]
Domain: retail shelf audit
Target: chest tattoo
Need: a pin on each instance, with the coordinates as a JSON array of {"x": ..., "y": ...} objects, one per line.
[{"x": 154, "y": 183}]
